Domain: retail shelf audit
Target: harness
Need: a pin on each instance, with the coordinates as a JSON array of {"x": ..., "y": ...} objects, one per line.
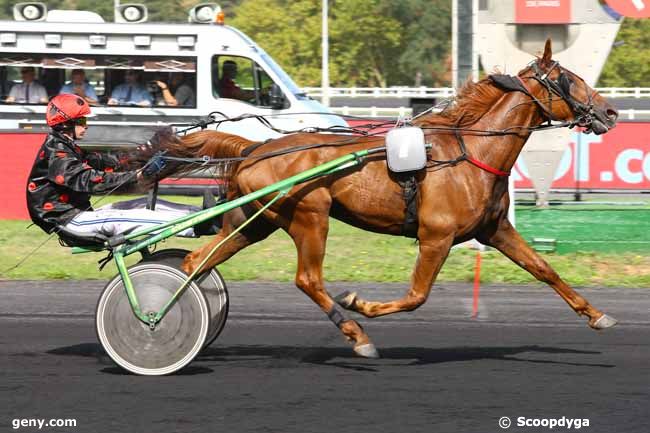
[{"x": 407, "y": 181}]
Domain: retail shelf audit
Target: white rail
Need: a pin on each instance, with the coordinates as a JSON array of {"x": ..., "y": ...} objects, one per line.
[
  {"x": 446, "y": 92},
  {"x": 382, "y": 92},
  {"x": 382, "y": 112}
]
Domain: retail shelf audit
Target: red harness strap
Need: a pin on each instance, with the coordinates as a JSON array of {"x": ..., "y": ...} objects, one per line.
[
  {"x": 486, "y": 167},
  {"x": 476, "y": 162}
]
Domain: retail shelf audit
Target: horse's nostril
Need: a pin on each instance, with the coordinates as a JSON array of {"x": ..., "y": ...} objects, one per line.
[{"x": 612, "y": 115}]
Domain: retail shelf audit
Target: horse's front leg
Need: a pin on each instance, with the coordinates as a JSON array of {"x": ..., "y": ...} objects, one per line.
[
  {"x": 507, "y": 240},
  {"x": 431, "y": 257}
]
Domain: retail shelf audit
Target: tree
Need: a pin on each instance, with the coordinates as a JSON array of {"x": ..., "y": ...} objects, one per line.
[
  {"x": 627, "y": 65},
  {"x": 288, "y": 30},
  {"x": 362, "y": 38},
  {"x": 364, "y": 43},
  {"x": 426, "y": 42}
]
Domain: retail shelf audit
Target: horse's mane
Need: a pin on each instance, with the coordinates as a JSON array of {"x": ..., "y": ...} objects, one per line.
[{"x": 470, "y": 104}]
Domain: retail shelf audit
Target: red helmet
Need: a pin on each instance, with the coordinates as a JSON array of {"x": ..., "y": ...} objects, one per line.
[{"x": 65, "y": 107}]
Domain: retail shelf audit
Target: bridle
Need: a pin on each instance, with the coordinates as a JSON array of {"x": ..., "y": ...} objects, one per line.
[{"x": 561, "y": 86}]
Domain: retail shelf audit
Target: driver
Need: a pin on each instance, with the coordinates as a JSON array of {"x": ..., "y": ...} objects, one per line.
[
  {"x": 227, "y": 86},
  {"x": 64, "y": 176}
]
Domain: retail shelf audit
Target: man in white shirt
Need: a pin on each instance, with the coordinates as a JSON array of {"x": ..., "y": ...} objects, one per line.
[
  {"x": 80, "y": 87},
  {"x": 29, "y": 91}
]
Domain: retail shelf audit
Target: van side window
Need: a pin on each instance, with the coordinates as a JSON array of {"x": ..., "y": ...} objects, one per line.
[
  {"x": 241, "y": 78},
  {"x": 120, "y": 80},
  {"x": 21, "y": 85}
]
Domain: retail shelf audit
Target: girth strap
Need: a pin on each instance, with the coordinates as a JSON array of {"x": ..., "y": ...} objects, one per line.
[{"x": 409, "y": 193}]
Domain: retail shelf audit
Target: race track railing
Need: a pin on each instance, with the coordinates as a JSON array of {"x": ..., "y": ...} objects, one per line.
[{"x": 446, "y": 92}]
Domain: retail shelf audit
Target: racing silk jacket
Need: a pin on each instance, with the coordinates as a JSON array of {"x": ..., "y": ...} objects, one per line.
[{"x": 63, "y": 178}]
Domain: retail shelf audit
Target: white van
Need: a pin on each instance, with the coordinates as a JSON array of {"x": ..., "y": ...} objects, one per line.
[{"x": 57, "y": 43}]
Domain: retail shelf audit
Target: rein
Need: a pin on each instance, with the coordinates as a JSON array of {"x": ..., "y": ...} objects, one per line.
[{"x": 561, "y": 88}]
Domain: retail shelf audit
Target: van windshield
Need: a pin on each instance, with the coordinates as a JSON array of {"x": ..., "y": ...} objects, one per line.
[{"x": 286, "y": 80}]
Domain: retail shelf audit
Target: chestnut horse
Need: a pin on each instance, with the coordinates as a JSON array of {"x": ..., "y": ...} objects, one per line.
[{"x": 457, "y": 200}]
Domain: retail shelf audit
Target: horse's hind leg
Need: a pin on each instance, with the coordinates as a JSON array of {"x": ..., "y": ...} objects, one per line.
[
  {"x": 507, "y": 240},
  {"x": 432, "y": 255},
  {"x": 309, "y": 233}
]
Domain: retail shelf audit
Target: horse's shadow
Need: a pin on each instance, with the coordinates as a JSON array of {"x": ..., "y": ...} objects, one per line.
[{"x": 343, "y": 357}]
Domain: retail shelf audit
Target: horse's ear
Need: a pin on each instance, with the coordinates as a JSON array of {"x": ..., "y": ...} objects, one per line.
[{"x": 548, "y": 53}]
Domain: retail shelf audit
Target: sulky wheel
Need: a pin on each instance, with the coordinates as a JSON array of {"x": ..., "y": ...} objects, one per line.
[
  {"x": 212, "y": 284},
  {"x": 175, "y": 340}
]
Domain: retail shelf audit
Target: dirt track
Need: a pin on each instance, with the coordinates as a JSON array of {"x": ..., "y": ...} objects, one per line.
[{"x": 281, "y": 367}]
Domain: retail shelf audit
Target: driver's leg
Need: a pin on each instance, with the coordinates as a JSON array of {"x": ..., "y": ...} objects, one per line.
[{"x": 109, "y": 222}]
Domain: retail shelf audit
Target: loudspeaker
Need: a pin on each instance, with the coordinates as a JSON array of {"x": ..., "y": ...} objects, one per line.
[
  {"x": 33, "y": 11},
  {"x": 131, "y": 13},
  {"x": 204, "y": 13}
]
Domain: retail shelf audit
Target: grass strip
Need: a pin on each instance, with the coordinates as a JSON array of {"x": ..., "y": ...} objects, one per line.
[{"x": 356, "y": 255}]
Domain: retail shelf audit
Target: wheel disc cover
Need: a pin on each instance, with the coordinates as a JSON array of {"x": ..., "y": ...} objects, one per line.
[{"x": 176, "y": 339}]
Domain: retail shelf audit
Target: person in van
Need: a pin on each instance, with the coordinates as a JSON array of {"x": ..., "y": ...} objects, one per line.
[
  {"x": 79, "y": 86},
  {"x": 5, "y": 85},
  {"x": 228, "y": 88},
  {"x": 178, "y": 93},
  {"x": 64, "y": 177},
  {"x": 28, "y": 91},
  {"x": 132, "y": 92}
]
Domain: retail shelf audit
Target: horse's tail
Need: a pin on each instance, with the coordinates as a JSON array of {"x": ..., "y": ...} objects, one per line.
[{"x": 207, "y": 143}]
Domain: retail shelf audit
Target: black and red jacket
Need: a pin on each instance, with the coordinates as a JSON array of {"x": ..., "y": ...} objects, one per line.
[{"x": 63, "y": 178}]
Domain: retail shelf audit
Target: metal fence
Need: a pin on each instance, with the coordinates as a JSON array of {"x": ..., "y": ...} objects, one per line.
[
  {"x": 440, "y": 93},
  {"x": 382, "y": 112},
  {"x": 446, "y": 92}
]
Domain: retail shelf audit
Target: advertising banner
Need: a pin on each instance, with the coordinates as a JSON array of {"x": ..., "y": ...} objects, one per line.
[
  {"x": 619, "y": 159},
  {"x": 542, "y": 11}
]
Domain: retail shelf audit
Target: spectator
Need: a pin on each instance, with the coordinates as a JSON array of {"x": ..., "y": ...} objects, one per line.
[
  {"x": 227, "y": 86},
  {"x": 29, "y": 91},
  {"x": 80, "y": 87},
  {"x": 132, "y": 92},
  {"x": 182, "y": 96}
]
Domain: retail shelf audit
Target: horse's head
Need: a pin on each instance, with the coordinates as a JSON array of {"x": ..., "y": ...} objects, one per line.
[{"x": 564, "y": 96}]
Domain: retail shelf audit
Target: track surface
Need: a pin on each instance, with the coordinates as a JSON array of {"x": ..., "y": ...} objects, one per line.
[{"x": 280, "y": 366}]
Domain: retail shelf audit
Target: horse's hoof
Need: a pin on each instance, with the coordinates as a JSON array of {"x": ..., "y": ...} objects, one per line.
[
  {"x": 346, "y": 299},
  {"x": 604, "y": 322},
  {"x": 367, "y": 350}
]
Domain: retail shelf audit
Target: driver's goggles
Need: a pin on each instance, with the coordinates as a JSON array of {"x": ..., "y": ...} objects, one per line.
[{"x": 82, "y": 121}]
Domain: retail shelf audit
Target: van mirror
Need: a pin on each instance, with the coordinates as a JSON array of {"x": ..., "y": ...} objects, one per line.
[{"x": 276, "y": 97}]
